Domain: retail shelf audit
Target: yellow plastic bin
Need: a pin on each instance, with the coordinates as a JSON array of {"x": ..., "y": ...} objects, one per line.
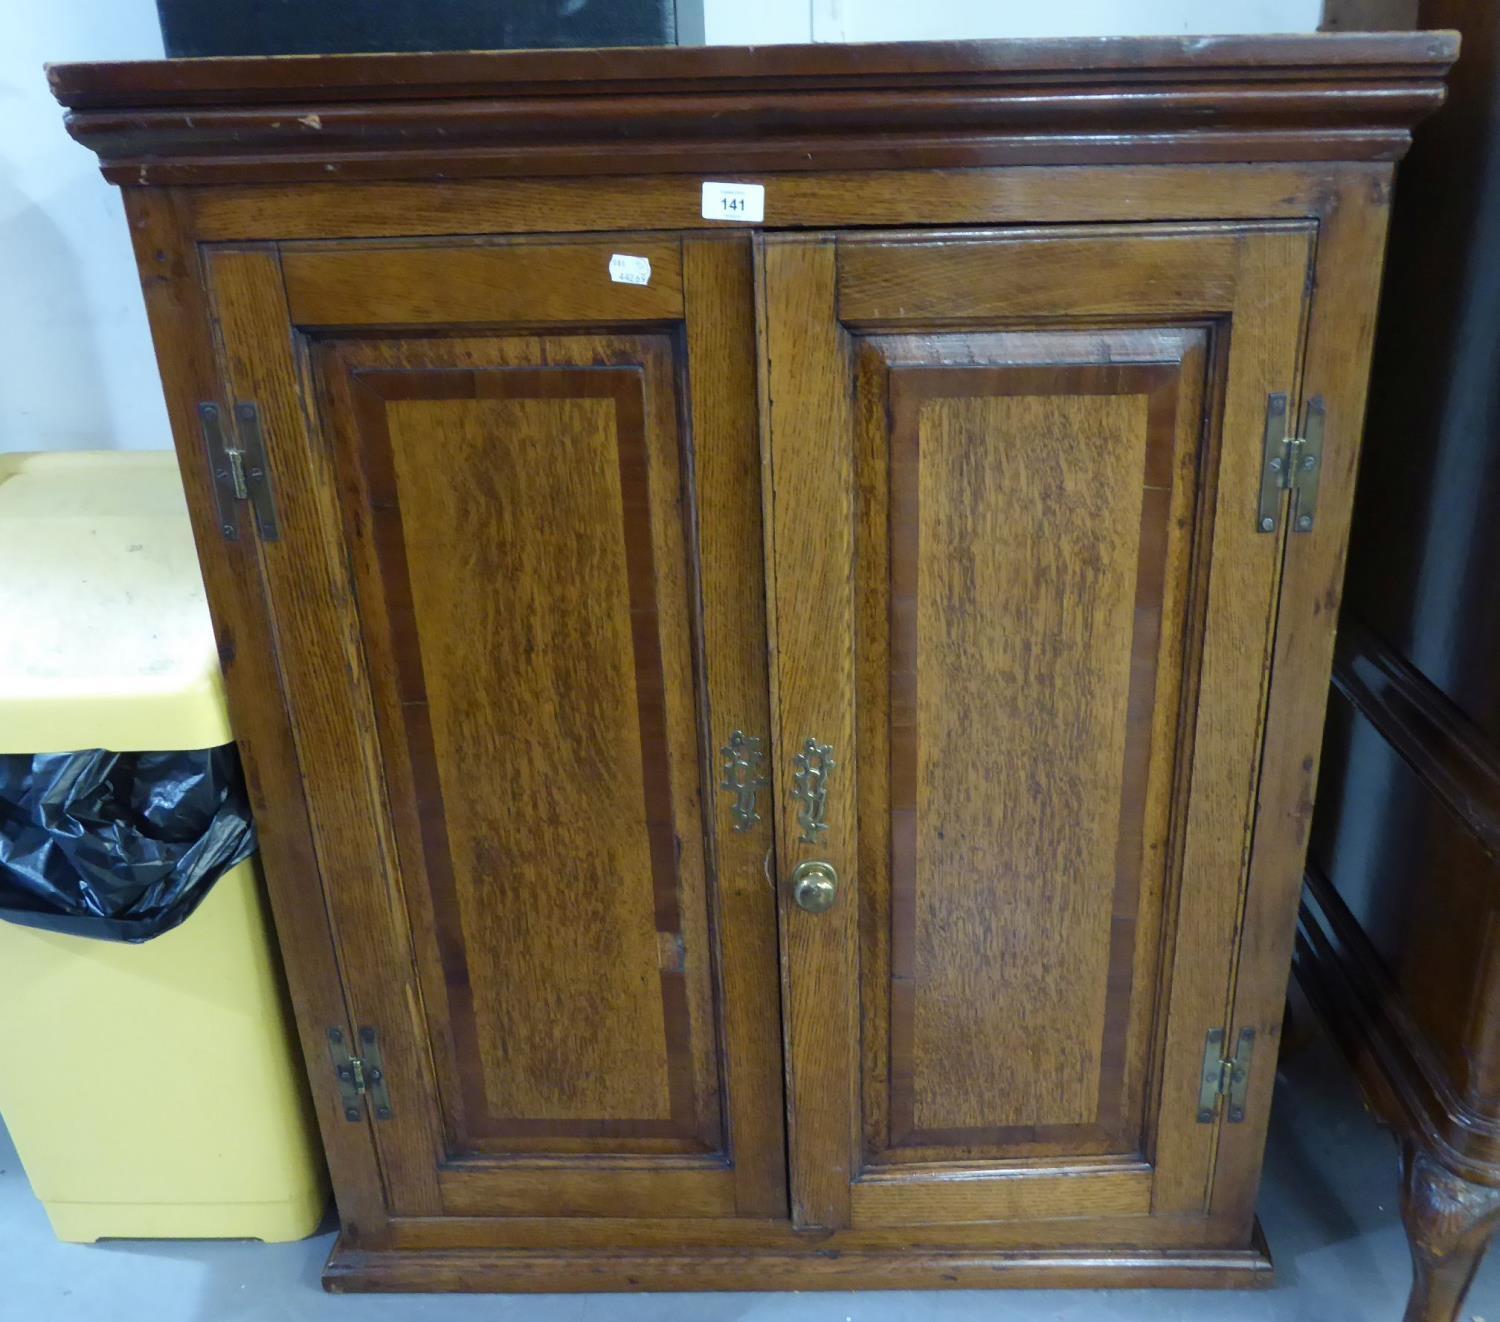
[{"x": 152, "y": 1090}]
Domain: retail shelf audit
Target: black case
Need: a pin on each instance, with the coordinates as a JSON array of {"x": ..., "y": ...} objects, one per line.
[{"x": 296, "y": 27}]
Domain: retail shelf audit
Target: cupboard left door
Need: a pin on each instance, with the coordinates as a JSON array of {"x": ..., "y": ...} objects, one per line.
[{"x": 518, "y": 599}]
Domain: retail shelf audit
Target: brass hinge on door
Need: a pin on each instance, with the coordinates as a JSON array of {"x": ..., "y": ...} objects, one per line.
[
  {"x": 1223, "y": 1077},
  {"x": 1291, "y": 463},
  {"x": 361, "y": 1076},
  {"x": 237, "y": 459}
]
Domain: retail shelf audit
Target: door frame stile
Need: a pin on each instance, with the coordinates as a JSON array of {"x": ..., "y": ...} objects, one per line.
[
  {"x": 1335, "y": 363},
  {"x": 257, "y": 336},
  {"x": 725, "y": 479},
  {"x": 188, "y": 346},
  {"x": 810, "y": 615}
]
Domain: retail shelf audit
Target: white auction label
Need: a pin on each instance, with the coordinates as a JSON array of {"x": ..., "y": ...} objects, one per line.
[
  {"x": 745, "y": 203},
  {"x": 627, "y": 270}
]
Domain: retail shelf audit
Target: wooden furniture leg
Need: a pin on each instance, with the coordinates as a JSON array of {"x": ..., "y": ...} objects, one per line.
[{"x": 1449, "y": 1221}]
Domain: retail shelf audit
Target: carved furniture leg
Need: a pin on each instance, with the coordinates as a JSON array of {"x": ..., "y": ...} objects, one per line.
[{"x": 1449, "y": 1221}]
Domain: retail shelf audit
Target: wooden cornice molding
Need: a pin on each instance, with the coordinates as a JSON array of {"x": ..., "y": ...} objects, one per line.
[{"x": 728, "y": 110}]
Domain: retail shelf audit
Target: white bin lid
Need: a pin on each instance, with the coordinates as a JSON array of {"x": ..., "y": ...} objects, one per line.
[{"x": 105, "y": 640}]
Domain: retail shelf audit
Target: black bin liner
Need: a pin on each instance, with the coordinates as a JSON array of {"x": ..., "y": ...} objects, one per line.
[{"x": 118, "y": 846}]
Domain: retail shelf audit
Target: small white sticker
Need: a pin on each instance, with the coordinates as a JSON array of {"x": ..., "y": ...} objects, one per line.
[
  {"x": 627, "y": 270},
  {"x": 745, "y": 203}
]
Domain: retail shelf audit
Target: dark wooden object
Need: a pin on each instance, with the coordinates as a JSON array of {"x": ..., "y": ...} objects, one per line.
[
  {"x": 952, "y": 466},
  {"x": 1401, "y": 946},
  {"x": 1369, "y": 15}
]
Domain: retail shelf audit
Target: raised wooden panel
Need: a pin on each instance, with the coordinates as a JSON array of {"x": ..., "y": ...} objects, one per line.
[
  {"x": 1028, "y": 508},
  {"x": 525, "y": 595}
]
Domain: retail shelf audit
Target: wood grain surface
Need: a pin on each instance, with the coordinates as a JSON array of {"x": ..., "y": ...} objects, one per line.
[
  {"x": 1094, "y": 273},
  {"x": 801, "y": 108},
  {"x": 807, "y": 444},
  {"x": 1016, "y": 195},
  {"x": 923, "y": 1269},
  {"x": 252, "y": 80},
  {"x": 511, "y": 512},
  {"x": 550, "y": 823},
  {"x": 1028, "y": 529},
  {"x": 1023, "y": 498},
  {"x": 1224, "y": 805},
  {"x": 719, "y": 293},
  {"x": 179, "y": 311},
  {"x": 998, "y": 891},
  {"x": 449, "y": 283}
]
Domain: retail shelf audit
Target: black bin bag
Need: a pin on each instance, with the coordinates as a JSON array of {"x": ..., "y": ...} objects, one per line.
[{"x": 118, "y": 846}]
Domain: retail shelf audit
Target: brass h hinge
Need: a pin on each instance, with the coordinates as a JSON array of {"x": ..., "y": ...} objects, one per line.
[
  {"x": 1224, "y": 1078},
  {"x": 1291, "y": 463},
  {"x": 359, "y": 1076},
  {"x": 237, "y": 459}
]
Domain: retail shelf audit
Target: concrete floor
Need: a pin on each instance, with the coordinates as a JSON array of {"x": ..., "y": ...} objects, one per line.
[{"x": 1328, "y": 1207}]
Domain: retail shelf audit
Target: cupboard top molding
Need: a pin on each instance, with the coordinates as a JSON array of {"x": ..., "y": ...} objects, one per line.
[{"x": 737, "y": 110}]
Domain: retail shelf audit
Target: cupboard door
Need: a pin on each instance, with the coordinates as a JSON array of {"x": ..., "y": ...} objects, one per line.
[
  {"x": 1022, "y": 608},
  {"x": 519, "y": 605}
]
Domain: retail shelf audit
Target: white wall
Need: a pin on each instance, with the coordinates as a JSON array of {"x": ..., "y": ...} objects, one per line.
[
  {"x": 732, "y": 22},
  {"x": 76, "y": 367}
]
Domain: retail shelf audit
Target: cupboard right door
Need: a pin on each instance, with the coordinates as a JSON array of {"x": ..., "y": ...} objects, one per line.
[{"x": 1022, "y": 608}]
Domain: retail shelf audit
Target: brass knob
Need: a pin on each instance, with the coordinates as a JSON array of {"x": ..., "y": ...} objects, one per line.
[{"x": 814, "y": 886}]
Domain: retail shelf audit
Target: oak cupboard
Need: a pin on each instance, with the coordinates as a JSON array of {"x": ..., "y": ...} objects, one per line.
[{"x": 783, "y": 743}]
